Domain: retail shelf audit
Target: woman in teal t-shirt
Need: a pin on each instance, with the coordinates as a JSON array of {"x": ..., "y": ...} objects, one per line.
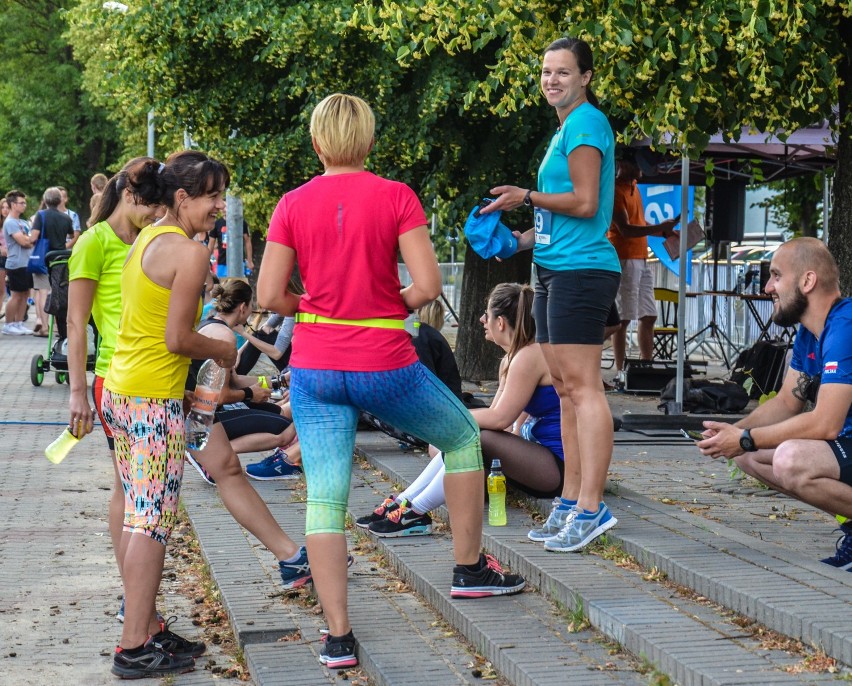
[{"x": 578, "y": 274}]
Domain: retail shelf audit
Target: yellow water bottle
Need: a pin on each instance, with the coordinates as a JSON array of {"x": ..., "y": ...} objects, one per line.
[
  {"x": 59, "y": 449},
  {"x": 496, "y": 495},
  {"x": 262, "y": 382}
]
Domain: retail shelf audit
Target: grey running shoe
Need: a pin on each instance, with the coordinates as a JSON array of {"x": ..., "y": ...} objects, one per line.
[
  {"x": 555, "y": 522},
  {"x": 581, "y": 530}
]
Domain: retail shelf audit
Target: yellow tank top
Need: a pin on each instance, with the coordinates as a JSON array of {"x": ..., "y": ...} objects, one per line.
[{"x": 142, "y": 366}]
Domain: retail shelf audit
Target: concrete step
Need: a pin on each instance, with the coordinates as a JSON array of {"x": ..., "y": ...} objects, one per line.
[
  {"x": 400, "y": 639},
  {"x": 692, "y": 642}
]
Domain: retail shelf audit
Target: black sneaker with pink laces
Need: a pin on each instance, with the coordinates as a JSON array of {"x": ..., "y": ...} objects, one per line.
[{"x": 488, "y": 580}]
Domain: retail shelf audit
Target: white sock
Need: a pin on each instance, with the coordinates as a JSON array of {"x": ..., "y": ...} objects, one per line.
[{"x": 422, "y": 482}]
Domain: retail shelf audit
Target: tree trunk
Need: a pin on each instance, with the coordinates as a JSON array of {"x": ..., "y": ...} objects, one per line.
[
  {"x": 840, "y": 224},
  {"x": 477, "y": 358}
]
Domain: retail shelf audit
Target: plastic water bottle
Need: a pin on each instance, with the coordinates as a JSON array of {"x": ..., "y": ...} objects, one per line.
[
  {"x": 59, "y": 449},
  {"x": 496, "y": 495},
  {"x": 755, "y": 279},
  {"x": 211, "y": 378}
]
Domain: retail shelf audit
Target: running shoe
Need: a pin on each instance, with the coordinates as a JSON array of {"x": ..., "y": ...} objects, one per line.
[
  {"x": 402, "y": 522},
  {"x": 581, "y": 530},
  {"x": 273, "y": 467},
  {"x": 23, "y": 329},
  {"x": 338, "y": 651},
  {"x": 151, "y": 661},
  {"x": 842, "y": 558},
  {"x": 204, "y": 473},
  {"x": 554, "y": 523},
  {"x": 177, "y": 645},
  {"x": 389, "y": 505},
  {"x": 297, "y": 574},
  {"x": 488, "y": 581}
]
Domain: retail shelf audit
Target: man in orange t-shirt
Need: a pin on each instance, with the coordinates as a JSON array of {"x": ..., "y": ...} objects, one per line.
[{"x": 628, "y": 233}]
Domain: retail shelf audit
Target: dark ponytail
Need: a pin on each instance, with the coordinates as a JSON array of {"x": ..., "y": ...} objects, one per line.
[
  {"x": 129, "y": 177},
  {"x": 191, "y": 170},
  {"x": 583, "y": 54}
]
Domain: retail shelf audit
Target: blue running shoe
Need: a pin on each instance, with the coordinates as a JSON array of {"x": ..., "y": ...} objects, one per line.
[
  {"x": 842, "y": 558},
  {"x": 274, "y": 467},
  {"x": 297, "y": 574},
  {"x": 581, "y": 530}
]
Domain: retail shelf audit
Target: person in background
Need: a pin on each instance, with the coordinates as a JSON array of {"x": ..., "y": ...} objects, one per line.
[
  {"x": 16, "y": 233},
  {"x": 98, "y": 182},
  {"x": 4, "y": 212},
  {"x": 217, "y": 239},
  {"x": 629, "y": 234},
  {"x": 352, "y": 353},
  {"x": 75, "y": 218},
  {"x": 59, "y": 230}
]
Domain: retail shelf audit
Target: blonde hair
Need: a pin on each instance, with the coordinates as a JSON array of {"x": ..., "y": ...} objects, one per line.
[
  {"x": 432, "y": 314},
  {"x": 342, "y": 127}
]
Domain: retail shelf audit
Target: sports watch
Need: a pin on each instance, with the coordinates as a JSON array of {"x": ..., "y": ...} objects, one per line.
[
  {"x": 747, "y": 442},
  {"x": 527, "y": 199}
]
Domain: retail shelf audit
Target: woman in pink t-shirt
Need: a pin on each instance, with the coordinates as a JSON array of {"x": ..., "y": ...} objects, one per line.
[{"x": 351, "y": 352}]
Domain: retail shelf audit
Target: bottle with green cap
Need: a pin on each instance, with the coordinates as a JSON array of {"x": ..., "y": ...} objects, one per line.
[{"x": 496, "y": 495}]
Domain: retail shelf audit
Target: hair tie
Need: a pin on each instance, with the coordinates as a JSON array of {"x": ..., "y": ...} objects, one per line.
[{"x": 160, "y": 170}]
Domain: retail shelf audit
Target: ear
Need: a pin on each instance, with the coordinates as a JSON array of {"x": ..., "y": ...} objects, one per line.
[
  {"x": 586, "y": 77},
  {"x": 316, "y": 147},
  {"x": 808, "y": 282},
  {"x": 180, "y": 196}
]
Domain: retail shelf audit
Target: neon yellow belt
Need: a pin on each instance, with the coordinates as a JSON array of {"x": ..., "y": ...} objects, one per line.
[{"x": 374, "y": 323}]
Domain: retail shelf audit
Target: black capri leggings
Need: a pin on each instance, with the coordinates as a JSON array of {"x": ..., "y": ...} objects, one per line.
[{"x": 239, "y": 423}]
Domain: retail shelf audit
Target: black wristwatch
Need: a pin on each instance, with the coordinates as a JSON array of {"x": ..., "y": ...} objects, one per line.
[
  {"x": 747, "y": 442},
  {"x": 527, "y": 199},
  {"x": 249, "y": 394}
]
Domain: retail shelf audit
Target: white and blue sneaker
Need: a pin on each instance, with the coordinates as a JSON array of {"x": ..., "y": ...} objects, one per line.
[
  {"x": 555, "y": 522},
  {"x": 581, "y": 529},
  {"x": 274, "y": 467}
]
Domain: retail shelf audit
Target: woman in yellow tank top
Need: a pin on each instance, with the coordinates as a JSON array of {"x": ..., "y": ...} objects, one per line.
[{"x": 144, "y": 388}]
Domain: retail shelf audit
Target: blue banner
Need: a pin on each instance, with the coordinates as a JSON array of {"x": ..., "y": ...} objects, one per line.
[{"x": 662, "y": 202}]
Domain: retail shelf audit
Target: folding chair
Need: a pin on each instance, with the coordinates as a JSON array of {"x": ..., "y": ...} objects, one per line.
[{"x": 665, "y": 331}]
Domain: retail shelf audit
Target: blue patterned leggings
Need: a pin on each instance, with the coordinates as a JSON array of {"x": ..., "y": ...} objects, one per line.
[{"x": 326, "y": 405}]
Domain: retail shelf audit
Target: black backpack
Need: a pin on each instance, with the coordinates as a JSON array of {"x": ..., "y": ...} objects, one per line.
[
  {"x": 764, "y": 362},
  {"x": 706, "y": 396}
]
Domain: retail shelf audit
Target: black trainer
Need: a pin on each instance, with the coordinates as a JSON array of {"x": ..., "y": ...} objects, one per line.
[
  {"x": 389, "y": 505},
  {"x": 177, "y": 645},
  {"x": 338, "y": 651},
  {"x": 152, "y": 660},
  {"x": 489, "y": 580},
  {"x": 402, "y": 522}
]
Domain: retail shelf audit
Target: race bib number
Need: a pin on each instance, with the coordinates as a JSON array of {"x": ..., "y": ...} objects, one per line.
[{"x": 543, "y": 220}]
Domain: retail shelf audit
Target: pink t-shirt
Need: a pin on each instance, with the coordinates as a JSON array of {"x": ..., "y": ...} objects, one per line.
[{"x": 345, "y": 230}]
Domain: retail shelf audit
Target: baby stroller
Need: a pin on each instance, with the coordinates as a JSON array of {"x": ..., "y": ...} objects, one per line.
[{"x": 57, "y": 306}]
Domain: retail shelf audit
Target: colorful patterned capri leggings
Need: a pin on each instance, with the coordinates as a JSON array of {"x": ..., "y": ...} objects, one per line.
[
  {"x": 150, "y": 440},
  {"x": 326, "y": 405}
]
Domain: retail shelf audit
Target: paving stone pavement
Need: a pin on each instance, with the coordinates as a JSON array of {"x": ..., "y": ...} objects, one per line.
[{"x": 678, "y": 511}]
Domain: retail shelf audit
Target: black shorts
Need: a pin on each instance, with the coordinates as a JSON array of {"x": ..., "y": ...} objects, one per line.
[
  {"x": 842, "y": 448},
  {"x": 574, "y": 307},
  {"x": 20, "y": 280}
]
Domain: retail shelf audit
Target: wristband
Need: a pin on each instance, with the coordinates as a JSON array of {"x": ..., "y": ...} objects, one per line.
[{"x": 249, "y": 394}]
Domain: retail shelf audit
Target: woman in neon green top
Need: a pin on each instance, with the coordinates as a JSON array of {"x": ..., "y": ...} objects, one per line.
[{"x": 94, "y": 272}]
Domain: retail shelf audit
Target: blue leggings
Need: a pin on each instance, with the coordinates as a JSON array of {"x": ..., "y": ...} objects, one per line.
[{"x": 326, "y": 405}]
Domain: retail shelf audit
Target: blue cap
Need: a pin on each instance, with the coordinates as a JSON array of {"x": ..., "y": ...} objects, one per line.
[{"x": 488, "y": 236}]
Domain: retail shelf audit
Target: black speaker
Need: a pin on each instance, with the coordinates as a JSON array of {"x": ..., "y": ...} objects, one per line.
[{"x": 728, "y": 212}]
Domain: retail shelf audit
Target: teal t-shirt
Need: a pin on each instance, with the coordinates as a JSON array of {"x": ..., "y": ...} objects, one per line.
[{"x": 564, "y": 243}]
